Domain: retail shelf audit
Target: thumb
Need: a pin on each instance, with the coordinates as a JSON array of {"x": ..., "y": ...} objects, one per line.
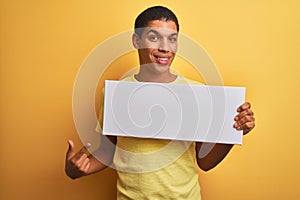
[{"x": 70, "y": 151}]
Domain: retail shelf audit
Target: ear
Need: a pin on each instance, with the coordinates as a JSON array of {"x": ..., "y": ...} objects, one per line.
[{"x": 136, "y": 41}]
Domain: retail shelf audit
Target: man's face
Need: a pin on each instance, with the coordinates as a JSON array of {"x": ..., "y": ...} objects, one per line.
[{"x": 158, "y": 44}]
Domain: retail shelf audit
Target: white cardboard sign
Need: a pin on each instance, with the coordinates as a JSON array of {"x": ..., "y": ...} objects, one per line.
[{"x": 172, "y": 111}]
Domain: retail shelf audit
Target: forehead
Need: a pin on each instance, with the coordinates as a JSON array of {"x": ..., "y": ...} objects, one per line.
[{"x": 162, "y": 26}]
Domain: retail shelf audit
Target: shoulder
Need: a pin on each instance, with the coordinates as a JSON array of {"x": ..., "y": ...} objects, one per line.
[{"x": 129, "y": 78}]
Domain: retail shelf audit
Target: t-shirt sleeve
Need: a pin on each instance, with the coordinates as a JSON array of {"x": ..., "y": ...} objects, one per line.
[{"x": 100, "y": 117}]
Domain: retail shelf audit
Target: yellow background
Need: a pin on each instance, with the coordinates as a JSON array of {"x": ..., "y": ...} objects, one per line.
[{"x": 43, "y": 43}]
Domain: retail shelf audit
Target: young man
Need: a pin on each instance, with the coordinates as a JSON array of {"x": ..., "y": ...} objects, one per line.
[{"x": 167, "y": 175}]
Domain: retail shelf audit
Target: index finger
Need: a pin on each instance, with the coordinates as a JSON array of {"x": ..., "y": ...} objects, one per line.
[
  {"x": 244, "y": 106},
  {"x": 82, "y": 150}
]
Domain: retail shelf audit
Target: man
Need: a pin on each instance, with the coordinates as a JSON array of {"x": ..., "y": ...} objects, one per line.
[{"x": 152, "y": 177}]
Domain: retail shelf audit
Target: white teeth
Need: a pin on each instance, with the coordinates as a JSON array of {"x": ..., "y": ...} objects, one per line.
[{"x": 163, "y": 59}]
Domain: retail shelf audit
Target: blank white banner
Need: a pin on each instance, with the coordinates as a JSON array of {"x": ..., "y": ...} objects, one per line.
[{"x": 172, "y": 111}]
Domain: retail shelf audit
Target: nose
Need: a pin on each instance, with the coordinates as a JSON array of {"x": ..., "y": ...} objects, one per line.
[{"x": 164, "y": 46}]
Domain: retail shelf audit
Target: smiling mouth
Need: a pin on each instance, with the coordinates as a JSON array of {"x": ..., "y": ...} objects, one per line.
[{"x": 162, "y": 60}]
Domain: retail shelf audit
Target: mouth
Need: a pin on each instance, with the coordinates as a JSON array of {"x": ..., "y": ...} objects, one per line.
[{"x": 162, "y": 60}]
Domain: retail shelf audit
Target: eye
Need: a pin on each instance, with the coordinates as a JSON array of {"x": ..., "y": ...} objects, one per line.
[
  {"x": 153, "y": 38},
  {"x": 173, "y": 39}
]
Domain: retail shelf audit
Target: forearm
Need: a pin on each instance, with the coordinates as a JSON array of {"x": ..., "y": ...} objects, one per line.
[
  {"x": 95, "y": 166},
  {"x": 99, "y": 160},
  {"x": 103, "y": 156},
  {"x": 212, "y": 156}
]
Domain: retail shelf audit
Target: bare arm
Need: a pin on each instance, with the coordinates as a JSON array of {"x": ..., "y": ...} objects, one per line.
[
  {"x": 80, "y": 164},
  {"x": 216, "y": 154},
  {"x": 210, "y": 155}
]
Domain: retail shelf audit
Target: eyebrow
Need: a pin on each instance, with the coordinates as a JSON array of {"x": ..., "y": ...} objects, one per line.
[{"x": 156, "y": 32}]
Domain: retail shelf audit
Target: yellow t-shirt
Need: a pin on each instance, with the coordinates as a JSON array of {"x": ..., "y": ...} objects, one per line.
[{"x": 151, "y": 169}]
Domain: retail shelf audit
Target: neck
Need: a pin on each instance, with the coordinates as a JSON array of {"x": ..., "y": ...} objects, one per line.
[{"x": 145, "y": 75}]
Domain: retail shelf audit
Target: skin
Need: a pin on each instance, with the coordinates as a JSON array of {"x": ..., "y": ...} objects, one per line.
[
  {"x": 157, "y": 47},
  {"x": 159, "y": 40},
  {"x": 80, "y": 164}
]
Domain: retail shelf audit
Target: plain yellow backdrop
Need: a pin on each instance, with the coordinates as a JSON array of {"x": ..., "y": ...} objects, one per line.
[{"x": 43, "y": 43}]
